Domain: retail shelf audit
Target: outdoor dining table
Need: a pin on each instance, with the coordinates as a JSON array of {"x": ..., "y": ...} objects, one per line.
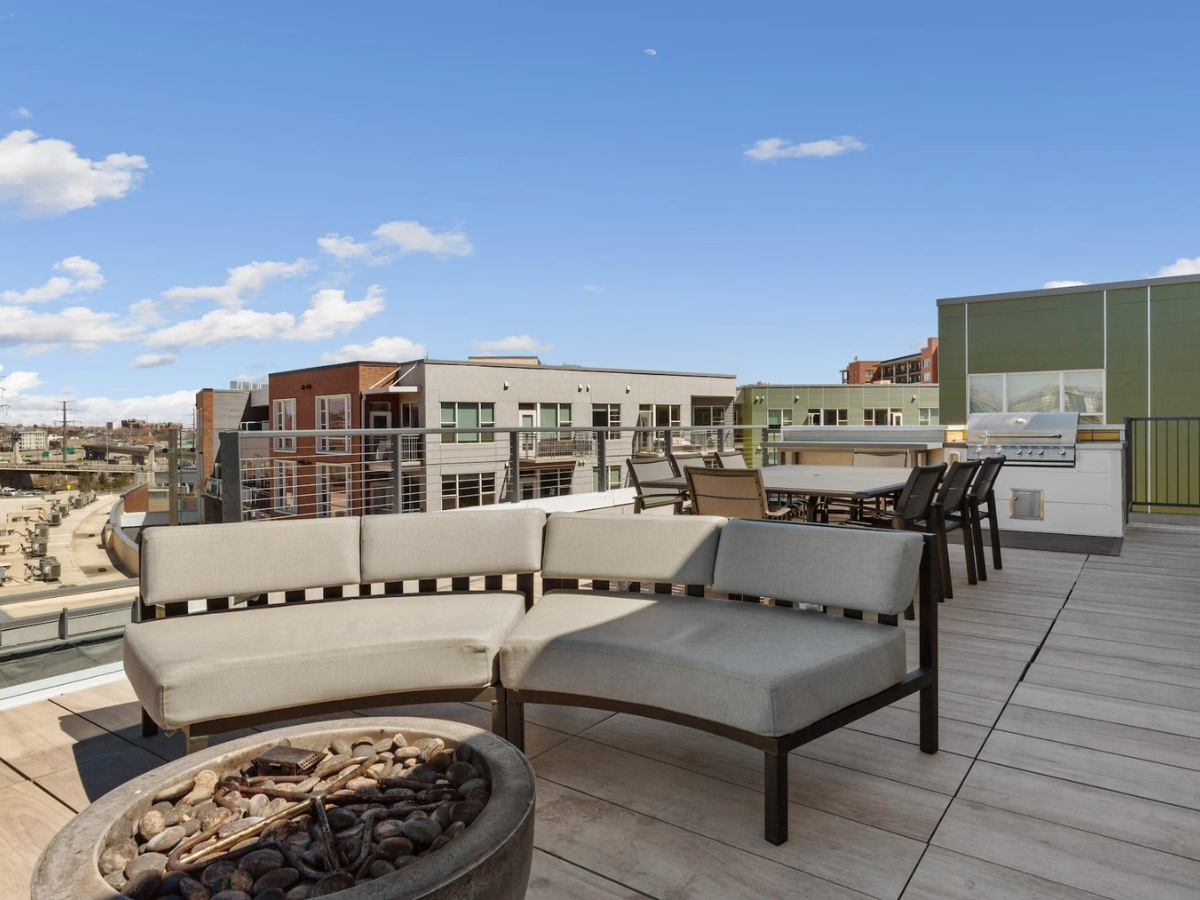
[{"x": 812, "y": 482}]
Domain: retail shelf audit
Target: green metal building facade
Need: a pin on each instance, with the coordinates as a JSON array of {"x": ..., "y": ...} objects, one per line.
[
  {"x": 783, "y": 405},
  {"x": 1143, "y": 337}
]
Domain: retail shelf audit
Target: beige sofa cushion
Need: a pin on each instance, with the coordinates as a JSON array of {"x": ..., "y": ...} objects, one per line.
[
  {"x": 857, "y": 568},
  {"x": 195, "y": 668},
  {"x": 763, "y": 669},
  {"x": 450, "y": 544},
  {"x": 202, "y": 561},
  {"x": 626, "y": 547}
]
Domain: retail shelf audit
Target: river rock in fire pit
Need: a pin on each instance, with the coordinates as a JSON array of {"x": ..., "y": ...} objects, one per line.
[{"x": 226, "y": 833}]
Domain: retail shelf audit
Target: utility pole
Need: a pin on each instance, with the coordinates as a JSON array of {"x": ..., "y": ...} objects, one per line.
[
  {"x": 62, "y": 445},
  {"x": 172, "y": 476}
]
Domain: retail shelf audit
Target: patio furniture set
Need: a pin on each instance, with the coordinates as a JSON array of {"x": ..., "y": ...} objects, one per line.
[
  {"x": 652, "y": 633},
  {"x": 935, "y": 499}
]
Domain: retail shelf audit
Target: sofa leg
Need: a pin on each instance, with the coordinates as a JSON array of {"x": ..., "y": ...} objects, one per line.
[
  {"x": 195, "y": 742},
  {"x": 775, "y": 772},
  {"x": 149, "y": 726},
  {"x": 515, "y": 724},
  {"x": 929, "y": 719},
  {"x": 500, "y": 714}
]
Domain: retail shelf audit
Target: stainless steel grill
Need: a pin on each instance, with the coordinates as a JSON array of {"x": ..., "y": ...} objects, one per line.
[{"x": 1025, "y": 439}]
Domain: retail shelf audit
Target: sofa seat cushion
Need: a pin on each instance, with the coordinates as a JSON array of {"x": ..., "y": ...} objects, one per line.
[
  {"x": 196, "y": 668},
  {"x": 763, "y": 669}
]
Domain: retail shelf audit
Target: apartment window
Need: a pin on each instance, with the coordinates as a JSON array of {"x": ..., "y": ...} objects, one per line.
[
  {"x": 379, "y": 496},
  {"x": 613, "y": 481},
  {"x": 465, "y": 490},
  {"x": 928, "y": 362},
  {"x": 555, "y": 415},
  {"x": 928, "y": 415},
  {"x": 1080, "y": 391},
  {"x": 284, "y": 418},
  {"x": 929, "y": 376},
  {"x": 883, "y": 417},
  {"x": 813, "y": 417},
  {"x": 412, "y": 489},
  {"x": 835, "y": 417},
  {"x": 777, "y": 419},
  {"x": 469, "y": 415},
  {"x": 333, "y": 491},
  {"x": 410, "y": 415},
  {"x": 708, "y": 416},
  {"x": 285, "y": 487},
  {"x": 333, "y": 414},
  {"x": 607, "y": 415},
  {"x": 667, "y": 415}
]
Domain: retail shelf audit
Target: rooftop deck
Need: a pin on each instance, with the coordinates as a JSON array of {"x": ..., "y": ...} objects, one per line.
[{"x": 1069, "y": 769}]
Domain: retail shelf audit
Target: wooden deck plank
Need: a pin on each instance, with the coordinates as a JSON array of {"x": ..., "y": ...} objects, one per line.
[
  {"x": 1122, "y": 650},
  {"x": 819, "y": 843},
  {"x": 1124, "y": 712},
  {"x": 552, "y": 878},
  {"x": 946, "y": 875},
  {"x": 870, "y": 799},
  {"x": 1184, "y": 676},
  {"x": 942, "y": 772},
  {"x": 899, "y": 724},
  {"x": 1123, "y": 774},
  {"x": 29, "y": 819},
  {"x": 1147, "y": 823},
  {"x": 9, "y": 776},
  {"x": 660, "y": 859},
  {"x": 1090, "y": 862},
  {"x": 1122, "y": 687},
  {"x": 963, "y": 707},
  {"x": 40, "y": 738},
  {"x": 1097, "y": 734}
]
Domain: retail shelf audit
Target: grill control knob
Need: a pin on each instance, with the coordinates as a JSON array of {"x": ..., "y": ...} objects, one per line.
[
  {"x": 1041, "y": 452},
  {"x": 1062, "y": 451},
  {"x": 1019, "y": 451}
]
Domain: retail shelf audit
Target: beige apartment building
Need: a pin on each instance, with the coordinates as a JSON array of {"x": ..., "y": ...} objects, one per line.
[{"x": 331, "y": 476}]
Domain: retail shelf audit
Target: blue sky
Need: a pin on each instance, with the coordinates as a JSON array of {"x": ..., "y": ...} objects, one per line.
[{"x": 527, "y": 175}]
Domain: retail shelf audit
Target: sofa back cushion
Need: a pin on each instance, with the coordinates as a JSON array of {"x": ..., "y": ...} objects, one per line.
[
  {"x": 854, "y": 568},
  {"x": 200, "y": 561},
  {"x": 625, "y": 547},
  {"x": 451, "y": 544}
]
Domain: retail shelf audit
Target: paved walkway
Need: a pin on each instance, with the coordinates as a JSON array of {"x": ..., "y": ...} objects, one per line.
[{"x": 1070, "y": 767}]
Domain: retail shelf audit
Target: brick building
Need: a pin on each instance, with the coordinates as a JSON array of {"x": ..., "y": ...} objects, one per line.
[{"x": 920, "y": 367}]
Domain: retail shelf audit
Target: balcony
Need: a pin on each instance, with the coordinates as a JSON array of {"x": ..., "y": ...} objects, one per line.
[{"x": 1068, "y": 752}]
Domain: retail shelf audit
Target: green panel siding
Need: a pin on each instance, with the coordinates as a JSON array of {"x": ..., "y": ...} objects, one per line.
[
  {"x": 1175, "y": 350},
  {"x": 952, "y": 362},
  {"x": 1126, "y": 382},
  {"x": 1037, "y": 334}
]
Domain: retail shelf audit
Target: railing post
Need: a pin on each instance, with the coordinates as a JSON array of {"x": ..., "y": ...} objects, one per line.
[
  {"x": 766, "y": 433},
  {"x": 514, "y": 452},
  {"x": 230, "y": 456},
  {"x": 721, "y": 440},
  {"x": 172, "y": 476},
  {"x": 397, "y": 450},
  {"x": 602, "y": 459}
]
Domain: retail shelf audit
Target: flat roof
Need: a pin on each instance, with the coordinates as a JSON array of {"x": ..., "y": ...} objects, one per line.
[
  {"x": 1073, "y": 289},
  {"x": 565, "y": 368},
  {"x": 499, "y": 365},
  {"x": 872, "y": 384}
]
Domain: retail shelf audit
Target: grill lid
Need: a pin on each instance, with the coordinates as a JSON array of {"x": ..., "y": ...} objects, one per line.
[{"x": 1015, "y": 429}]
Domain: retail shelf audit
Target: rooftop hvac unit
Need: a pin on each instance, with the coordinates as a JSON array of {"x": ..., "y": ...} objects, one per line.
[
  {"x": 40, "y": 531},
  {"x": 51, "y": 568},
  {"x": 35, "y": 549},
  {"x": 55, "y": 517}
]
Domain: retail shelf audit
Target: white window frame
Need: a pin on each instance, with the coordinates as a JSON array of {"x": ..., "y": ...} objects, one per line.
[
  {"x": 285, "y": 471},
  {"x": 1087, "y": 418},
  {"x": 925, "y": 415},
  {"x": 895, "y": 417},
  {"x": 325, "y": 495},
  {"x": 476, "y": 438},
  {"x": 607, "y": 409},
  {"x": 714, "y": 413},
  {"x": 483, "y": 478},
  {"x": 787, "y": 415},
  {"x": 279, "y": 422},
  {"x": 873, "y": 410},
  {"x": 614, "y": 479},
  {"x": 840, "y": 416},
  {"x": 326, "y": 444}
]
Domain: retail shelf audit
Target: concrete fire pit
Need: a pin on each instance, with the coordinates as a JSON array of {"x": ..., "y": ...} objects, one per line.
[{"x": 490, "y": 859}]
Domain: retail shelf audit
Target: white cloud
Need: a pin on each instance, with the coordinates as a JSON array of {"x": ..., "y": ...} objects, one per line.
[
  {"x": 778, "y": 148},
  {"x": 146, "y": 312},
  {"x": 21, "y": 112},
  {"x": 514, "y": 343},
  {"x": 392, "y": 349},
  {"x": 399, "y": 238},
  {"x": 82, "y": 276},
  {"x": 242, "y": 280},
  {"x": 413, "y": 237},
  {"x": 329, "y": 313},
  {"x": 650, "y": 52},
  {"x": 15, "y": 384},
  {"x": 343, "y": 248},
  {"x": 1062, "y": 284},
  {"x": 46, "y": 177},
  {"x": 1181, "y": 266},
  {"x": 153, "y": 361},
  {"x": 83, "y": 329},
  {"x": 173, "y": 407},
  {"x": 593, "y": 288}
]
